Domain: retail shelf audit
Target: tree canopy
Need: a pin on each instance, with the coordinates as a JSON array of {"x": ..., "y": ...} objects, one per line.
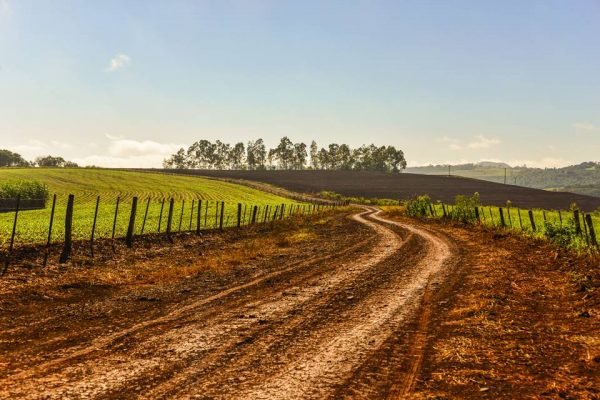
[{"x": 287, "y": 155}]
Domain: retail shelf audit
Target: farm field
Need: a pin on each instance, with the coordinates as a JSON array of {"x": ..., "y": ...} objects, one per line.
[
  {"x": 405, "y": 185},
  {"x": 87, "y": 184}
]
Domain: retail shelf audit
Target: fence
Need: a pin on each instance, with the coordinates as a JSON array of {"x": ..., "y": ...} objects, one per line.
[
  {"x": 130, "y": 218},
  {"x": 569, "y": 228}
]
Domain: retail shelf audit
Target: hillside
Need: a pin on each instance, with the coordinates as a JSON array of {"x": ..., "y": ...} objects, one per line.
[
  {"x": 87, "y": 184},
  {"x": 405, "y": 185},
  {"x": 583, "y": 178}
]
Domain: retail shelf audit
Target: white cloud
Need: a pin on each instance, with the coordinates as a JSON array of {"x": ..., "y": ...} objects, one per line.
[
  {"x": 128, "y": 153},
  {"x": 481, "y": 142},
  {"x": 120, "y": 147},
  {"x": 586, "y": 126},
  {"x": 117, "y": 62},
  {"x": 453, "y": 144}
]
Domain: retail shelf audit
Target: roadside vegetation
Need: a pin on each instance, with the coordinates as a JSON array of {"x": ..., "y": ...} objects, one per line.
[{"x": 568, "y": 228}]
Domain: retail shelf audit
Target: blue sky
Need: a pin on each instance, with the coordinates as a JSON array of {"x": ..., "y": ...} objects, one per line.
[{"x": 124, "y": 83}]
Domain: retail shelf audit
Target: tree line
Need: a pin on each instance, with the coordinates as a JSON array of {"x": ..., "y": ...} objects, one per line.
[
  {"x": 286, "y": 155},
  {"x": 10, "y": 159}
]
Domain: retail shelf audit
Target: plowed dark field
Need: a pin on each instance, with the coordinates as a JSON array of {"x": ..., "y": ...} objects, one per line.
[{"x": 402, "y": 186}]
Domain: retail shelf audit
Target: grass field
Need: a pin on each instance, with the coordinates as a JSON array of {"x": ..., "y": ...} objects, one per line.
[{"x": 87, "y": 184}]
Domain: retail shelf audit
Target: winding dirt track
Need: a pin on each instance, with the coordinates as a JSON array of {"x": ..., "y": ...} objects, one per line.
[{"x": 348, "y": 324}]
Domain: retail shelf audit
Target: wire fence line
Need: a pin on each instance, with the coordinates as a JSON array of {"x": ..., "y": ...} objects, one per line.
[
  {"x": 573, "y": 228},
  {"x": 166, "y": 216}
]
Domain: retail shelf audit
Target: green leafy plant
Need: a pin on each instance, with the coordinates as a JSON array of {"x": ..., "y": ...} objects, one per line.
[
  {"x": 25, "y": 188},
  {"x": 418, "y": 206},
  {"x": 464, "y": 208}
]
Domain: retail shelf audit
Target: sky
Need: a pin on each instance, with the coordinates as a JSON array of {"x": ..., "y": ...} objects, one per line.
[{"x": 126, "y": 83}]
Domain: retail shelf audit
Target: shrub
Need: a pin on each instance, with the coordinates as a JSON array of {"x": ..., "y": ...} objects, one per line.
[
  {"x": 418, "y": 206},
  {"x": 25, "y": 189},
  {"x": 464, "y": 208},
  {"x": 565, "y": 235}
]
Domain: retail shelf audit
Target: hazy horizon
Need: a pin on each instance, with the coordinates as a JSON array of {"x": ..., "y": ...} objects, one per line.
[{"x": 118, "y": 84}]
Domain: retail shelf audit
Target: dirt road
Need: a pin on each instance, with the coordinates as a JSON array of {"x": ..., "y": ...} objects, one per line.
[{"x": 339, "y": 324}]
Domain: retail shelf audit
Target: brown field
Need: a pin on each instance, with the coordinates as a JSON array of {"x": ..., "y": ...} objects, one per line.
[{"x": 402, "y": 186}]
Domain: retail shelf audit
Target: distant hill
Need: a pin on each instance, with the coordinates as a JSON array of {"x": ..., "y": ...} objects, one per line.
[{"x": 582, "y": 178}]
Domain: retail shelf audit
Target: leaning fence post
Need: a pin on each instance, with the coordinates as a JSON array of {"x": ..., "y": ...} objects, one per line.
[
  {"x": 254, "y": 210},
  {"x": 12, "y": 236},
  {"x": 520, "y": 219},
  {"x": 282, "y": 211},
  {"x": 115, "y": 219},
  {"x": 94, "y": 226},
  {"x": 239, "y": 215},
  {"x": 585, "y": 232},
  {"x": 50, "y": 230},
  {"x": 221, "y": 217},
  {"x": 170, "y": 218},
  {"x": 502, "y": 222},
  {"x": 590, "y": 224},
  {"x": 162, "y": 207},
  {"x": 131, "y": 227},
  {"x": 577, "y": 224},
  {"x": 477, "y": 214},
  {"x": 66, "y": 253},
  {"x": 145, "y": 216},
  {"x": 532, "y": 221}
]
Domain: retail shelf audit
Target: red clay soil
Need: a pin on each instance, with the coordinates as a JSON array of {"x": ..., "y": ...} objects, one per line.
[
  {"x": 350, "y": 305},
  {"x": 402, "y": 186}
]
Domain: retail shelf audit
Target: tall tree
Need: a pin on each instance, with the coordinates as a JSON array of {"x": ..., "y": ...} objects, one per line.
[
  {"x": 314, "y": 153},
  {"x": 10, "y": 159}
]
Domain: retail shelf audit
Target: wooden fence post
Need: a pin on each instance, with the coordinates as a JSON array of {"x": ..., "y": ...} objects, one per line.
[
  {"x": 47, "y": 253},
  {"x": 444, "y": 210},
  {"x": 191, "y": 215},
  {"x": 221, "y": 217},
  {"x": 162, "y": 207},
  {"x": 94, "y": 226},
  {"x": 145, "y": 216},
  {"x": 114, "y": 229},
  {"x": 66, "y": 253},
  {"x": 170, "y": 217},
  {"x": 12, "y": 236},
  {"x": 585, "y": 232},
  {"x": 509, "y": 217},
  {"x": 520, "y": 219},
  {"x": 131, "y": 227},
  {"x": 181, "y": 216},
  {"x": 282, "y": 209},
  {"x": 577, "y": 224},
  {"x": 532, "y": 221},
  {"x": 502, "y": 222},
  {"x": 239, "y": 215},
  {"x": 477, "y": 214},
  {"x": 206, "y": 215},
  {"x": 560, "y": 218},
  {"x": 199, "y": 217},
  {"x": 590, "y": 224},
  {"x": 254, "y": 210}
]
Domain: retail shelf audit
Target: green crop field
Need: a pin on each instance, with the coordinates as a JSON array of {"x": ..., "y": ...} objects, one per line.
[{"x": 87, "y": 184}]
